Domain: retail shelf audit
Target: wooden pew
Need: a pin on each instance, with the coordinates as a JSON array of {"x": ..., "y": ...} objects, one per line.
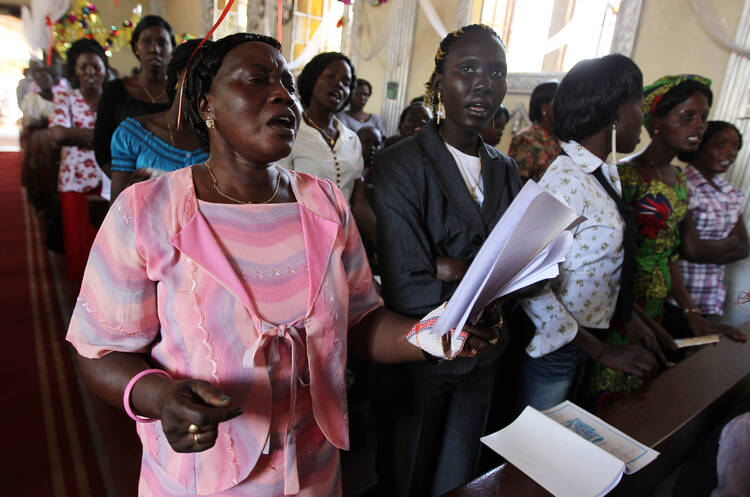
[{"x": 669, "y": 413}]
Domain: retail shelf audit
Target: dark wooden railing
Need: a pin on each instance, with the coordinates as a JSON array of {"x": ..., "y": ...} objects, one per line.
[{"x": 669, "y": 413}]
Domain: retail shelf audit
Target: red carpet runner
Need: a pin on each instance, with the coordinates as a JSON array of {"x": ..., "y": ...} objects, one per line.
[{"x": 47, "y": 446}]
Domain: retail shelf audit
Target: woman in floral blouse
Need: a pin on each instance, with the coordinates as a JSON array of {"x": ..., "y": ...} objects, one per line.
[
  {"x": 535, "y": 147},
  {"x": 72, "y": 127}
]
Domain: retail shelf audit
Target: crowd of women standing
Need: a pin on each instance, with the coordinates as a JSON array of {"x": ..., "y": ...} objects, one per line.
[{"x": 221, "y": 301}]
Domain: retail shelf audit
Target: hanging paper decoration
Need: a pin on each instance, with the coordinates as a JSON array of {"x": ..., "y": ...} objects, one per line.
[
  {"x": 83, "y": 21},
  {"x": 37, "y": 20},
  {"x": 48, "y": 23},
  {"x": 374, "y": 3}
]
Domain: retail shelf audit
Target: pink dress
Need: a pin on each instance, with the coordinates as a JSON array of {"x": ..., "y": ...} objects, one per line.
[
  {"x": 256, "y": 300},
  {"x": 264, "y": 245}
]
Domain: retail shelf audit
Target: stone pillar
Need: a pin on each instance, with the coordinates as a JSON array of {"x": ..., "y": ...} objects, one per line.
[
  {"x": 256, "y": 10},
  {"x": 398, "y": 63},
  {"x": 353, "y": 32},
  {"x": 158, "y": 8},
  {"x": 463, "y": 13},
  {"x": 207, "y": 16},
  {"x": 626, "y": 27}
]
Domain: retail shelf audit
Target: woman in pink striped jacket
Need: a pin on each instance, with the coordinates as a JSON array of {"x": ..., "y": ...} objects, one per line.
[{"x": 219, "y": 301}]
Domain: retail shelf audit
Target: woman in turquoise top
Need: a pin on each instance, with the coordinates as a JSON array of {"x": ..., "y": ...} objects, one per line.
[{"x": 152, "y": 144}]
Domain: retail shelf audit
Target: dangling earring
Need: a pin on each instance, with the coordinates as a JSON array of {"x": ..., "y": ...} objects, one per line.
[
  {"x": 210, "y": 122},
  {"x": 440, "y": 106},
  {"x": 613, "y": 160},
  {"x": 656, "y": 131}
]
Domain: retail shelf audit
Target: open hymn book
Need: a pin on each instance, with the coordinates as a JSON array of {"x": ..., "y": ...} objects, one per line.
[
  {"x": 569, "y": 451},
  {"x": 524, "y": 247}
]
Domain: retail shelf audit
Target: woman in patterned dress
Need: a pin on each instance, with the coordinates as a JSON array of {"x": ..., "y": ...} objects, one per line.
[
  {"x": 675, "y": 111},
  {"x": 235, "y": 278},
  {"x": 72, "y": 126},
  {"x": 534, "y": 148}
]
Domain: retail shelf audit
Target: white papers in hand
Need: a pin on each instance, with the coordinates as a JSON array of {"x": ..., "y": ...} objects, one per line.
[
  {"x": 524, "y": 247},
  {"x": 585, "y": 460}
]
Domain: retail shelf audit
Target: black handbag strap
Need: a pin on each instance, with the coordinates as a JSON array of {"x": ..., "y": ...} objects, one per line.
[{"x": 625, "y": 297}]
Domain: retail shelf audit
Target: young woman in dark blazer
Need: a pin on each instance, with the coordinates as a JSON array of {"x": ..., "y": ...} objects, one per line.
[{"x": 438, "y": 194}]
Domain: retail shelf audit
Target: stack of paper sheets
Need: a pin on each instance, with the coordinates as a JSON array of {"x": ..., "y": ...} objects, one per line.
[{"x": 525, "y": 246}]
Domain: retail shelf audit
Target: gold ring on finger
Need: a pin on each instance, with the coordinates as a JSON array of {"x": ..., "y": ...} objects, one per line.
[
  {"x": 195, "y": 438},
  {"x": 494, "y": 339},
  {"x": 193, "y": 429}
]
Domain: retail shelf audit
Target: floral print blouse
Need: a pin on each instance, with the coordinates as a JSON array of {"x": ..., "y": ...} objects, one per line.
[
  {"x": 78, "y": 170},
  {"x": 585, "y": 292},
  {"x": 534, "y": 149}
]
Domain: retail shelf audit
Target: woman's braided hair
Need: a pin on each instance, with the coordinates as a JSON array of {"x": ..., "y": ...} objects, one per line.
[
  {"x": 201, "y": 74},
  {"x": 431, "y": 94},
  {"x": 180, "y": 58}
]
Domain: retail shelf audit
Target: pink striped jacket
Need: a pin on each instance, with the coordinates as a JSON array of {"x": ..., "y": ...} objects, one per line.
[{"x": 158, "y": 282}]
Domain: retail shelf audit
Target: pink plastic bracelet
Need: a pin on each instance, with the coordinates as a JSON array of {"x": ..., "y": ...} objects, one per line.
[{"x": 129, "y": 389}]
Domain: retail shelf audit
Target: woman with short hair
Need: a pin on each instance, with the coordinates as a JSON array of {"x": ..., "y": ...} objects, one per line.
[
  {"x": 325, "y": 147},
  {"x": 152, "y": 43},
  {"x": 598, "y": 107}
]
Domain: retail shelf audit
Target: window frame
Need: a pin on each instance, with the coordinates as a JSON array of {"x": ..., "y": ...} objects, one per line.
[
  {"x": 295, "y": 14},
  {"x": 623, "y": 41}
]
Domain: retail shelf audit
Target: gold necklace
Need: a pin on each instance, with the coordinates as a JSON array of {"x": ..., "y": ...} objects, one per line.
[
  {"x": 218, "y": 190},
  {"x": 331, "y": 141},
  {"x": 153, "y": 98},
  {"x": 473, "y": 183},
  {"x": 171, "y": 135},
  {"x": 362, "y": 120}
]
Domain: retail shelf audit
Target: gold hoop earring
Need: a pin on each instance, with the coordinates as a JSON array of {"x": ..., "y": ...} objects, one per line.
[
  {"x": 210, "y": 122},
  {"x": 440, "y": 106}
]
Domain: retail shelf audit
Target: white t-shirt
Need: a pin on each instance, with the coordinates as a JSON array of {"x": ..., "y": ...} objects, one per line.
[{"x": 470, "y": 168}]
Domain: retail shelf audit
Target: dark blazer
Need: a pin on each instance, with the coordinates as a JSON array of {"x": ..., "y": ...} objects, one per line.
[{"x": 424, "y": 210}]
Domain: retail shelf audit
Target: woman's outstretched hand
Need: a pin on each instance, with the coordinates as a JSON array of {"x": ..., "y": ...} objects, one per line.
[
  {"x": 190, "y": 413},
  {"x": 650, "y": 335},
  {"x": 702, "y": 326},
  {"x": 632, "y": 359}
]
